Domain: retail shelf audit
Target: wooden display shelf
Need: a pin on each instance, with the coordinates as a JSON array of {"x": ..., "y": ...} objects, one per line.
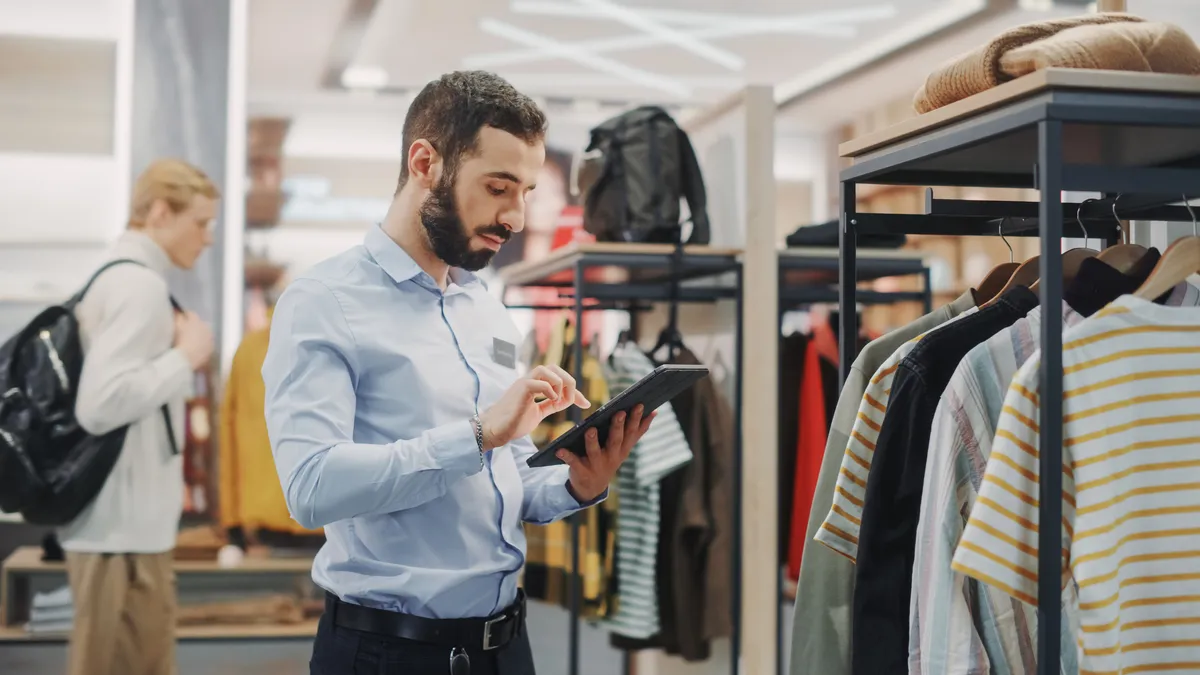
[
  {"x": 28, "y": 559},
  {"x": 302, "y": 630},
  {"x": 1022, "y": 87},
  {"x": 24, "y": 570},
  {"x": 557, "y": 267}
]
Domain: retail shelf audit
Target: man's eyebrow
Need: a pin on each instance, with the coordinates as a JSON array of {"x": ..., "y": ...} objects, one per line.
[
  {"x": 504, "y": 175},
  {"x": 512, "y": 178}
]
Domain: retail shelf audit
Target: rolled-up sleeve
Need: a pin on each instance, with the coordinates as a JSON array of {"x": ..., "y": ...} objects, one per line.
[
  {"x": 310, "y": 373},
  {"x": 547, "y": 498}
]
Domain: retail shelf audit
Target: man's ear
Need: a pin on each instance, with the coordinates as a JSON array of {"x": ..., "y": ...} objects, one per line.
[
  {"x": 423, "y": 163},
  {"x": 159, "y": 210}
]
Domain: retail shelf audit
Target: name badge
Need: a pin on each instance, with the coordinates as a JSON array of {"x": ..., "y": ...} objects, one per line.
[{"x": 504, "y": 353}]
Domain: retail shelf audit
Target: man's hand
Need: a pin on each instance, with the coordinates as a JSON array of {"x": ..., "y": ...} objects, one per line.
[
  {"x": 519, "y": 411},
  {"x": 194, "y": 338},
  {"x": 591, "y": 475}
]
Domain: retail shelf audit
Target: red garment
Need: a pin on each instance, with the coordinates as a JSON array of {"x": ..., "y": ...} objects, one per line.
[
  {"x": 810, "y": 449},
  {"x": 825, "y": 340}
]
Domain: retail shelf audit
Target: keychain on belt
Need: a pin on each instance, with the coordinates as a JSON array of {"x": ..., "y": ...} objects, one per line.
[{"x": 460, "y": 662}]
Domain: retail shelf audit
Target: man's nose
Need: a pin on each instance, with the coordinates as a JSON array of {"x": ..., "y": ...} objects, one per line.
[{"x": 513, "y": 218}]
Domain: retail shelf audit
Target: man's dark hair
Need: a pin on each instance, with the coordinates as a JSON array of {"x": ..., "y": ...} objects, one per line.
[{"x": 450, "y": 111}]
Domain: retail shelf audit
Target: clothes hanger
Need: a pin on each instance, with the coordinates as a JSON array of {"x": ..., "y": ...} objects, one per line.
[
  {"x": 1073, "y": 259},
  {"x": 1181, "y": 260},
  {"x": 1122, "y": 257},
  {"x": 999, "y": 275},
  {"x": 1025, "y": 275}
]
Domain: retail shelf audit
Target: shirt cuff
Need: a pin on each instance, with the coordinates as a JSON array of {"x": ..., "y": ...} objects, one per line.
[
  {"x": 575, "y": 504},
  {"x": 454, "y": 448}
]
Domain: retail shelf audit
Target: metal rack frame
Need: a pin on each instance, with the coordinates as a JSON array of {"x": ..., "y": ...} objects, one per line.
[
  {"x": 668, "y": 268},
  {"x": 1142, "y": 150}
]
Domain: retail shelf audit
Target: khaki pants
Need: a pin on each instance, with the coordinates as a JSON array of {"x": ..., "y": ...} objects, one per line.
[{"x": 124, "y": 614}]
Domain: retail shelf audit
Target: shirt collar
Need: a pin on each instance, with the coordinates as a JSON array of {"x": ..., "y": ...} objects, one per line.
[
  {"x": 137, "y": 245},
  {"x": 400, "y": 266}
]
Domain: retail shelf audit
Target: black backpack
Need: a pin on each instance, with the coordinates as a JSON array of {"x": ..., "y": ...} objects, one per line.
[
  {"x": 645, "y": 165},
  {"x": 50, "y": 467}
]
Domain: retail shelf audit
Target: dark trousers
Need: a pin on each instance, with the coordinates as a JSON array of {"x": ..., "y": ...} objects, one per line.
[{"x": 342, "y": 651}]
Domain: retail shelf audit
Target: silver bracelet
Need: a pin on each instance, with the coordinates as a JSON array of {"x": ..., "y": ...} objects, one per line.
[{"x": 478, "y": 436}]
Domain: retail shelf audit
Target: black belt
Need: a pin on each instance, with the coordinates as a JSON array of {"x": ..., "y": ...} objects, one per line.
[{"x": 487, "y": 634}]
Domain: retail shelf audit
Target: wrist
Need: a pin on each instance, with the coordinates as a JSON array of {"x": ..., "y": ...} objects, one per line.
[
  {"x": 487, "y": 437},
  {"x": 581, "y": 496}
]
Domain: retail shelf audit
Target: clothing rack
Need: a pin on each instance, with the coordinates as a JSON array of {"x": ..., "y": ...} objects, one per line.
[
  {"x": 1133, "y": 137},
  {"x": 616, "y": 273},
  {"x": 809, "y": 276}
]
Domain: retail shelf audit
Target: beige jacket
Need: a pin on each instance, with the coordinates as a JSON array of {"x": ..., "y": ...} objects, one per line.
[{"x": 130, "y": 369}]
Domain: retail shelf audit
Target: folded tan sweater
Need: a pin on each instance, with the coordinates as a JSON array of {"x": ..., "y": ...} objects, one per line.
[
  {"x": 1141, "y": 47},
  {"x": 979, "y": 69}
]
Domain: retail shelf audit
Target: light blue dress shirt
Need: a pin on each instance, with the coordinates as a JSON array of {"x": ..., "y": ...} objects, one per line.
[{"x": 372, "y": 376}]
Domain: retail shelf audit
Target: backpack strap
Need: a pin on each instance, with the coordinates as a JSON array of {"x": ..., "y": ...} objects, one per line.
[
  {"x": 166, "y": 412},
  {"x": 693, "y": 191}
]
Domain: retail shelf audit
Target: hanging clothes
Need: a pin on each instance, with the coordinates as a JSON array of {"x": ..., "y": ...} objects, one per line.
[
  {"x": 695, "y": 554},
  {"x": 883, "y": 576},
  {"x": 820, "y": 627},
  {"x": 548, "y": 559},
  {"x": 661, "y": 451},
  {"x": 996, "y": 632},
  {"x": 793, "y": 350},
  {"x": 250, "y": 497},
  {"x": 840, "y": 529},
  {"x": 812, "y": 424},
  {"x": 1129, "y": 488}
]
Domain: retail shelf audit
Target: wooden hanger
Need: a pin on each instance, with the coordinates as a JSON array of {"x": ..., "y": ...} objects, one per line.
[
  {"x": 1181, "y": 260},
  {"x": 996, "y": 279},
  {"x": 1122, "y": 257},
  {"x": 1025, "y": 275},
  {"x": 1073, "y": 259}
]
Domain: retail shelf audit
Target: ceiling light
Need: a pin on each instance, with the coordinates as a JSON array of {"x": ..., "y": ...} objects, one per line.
[
  {"x": 584, "y": 58},
  {"x": 684, "y": 41},
  {"x": 824, "y": 24},
  {"x": 364, "y": 77}
]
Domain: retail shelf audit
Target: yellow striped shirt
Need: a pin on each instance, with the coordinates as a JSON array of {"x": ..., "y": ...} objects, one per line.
[
  {"x": 1131, "y": 488},
  {"x": 840, "y": 529}
]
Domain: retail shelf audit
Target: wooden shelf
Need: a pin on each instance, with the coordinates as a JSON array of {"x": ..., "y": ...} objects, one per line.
[
  {"x": 28, "y": 559},
  {"x": 560, "y": 261},
  {"x": 303, "y": 630},
  {"x": 1022, "y": 87}
]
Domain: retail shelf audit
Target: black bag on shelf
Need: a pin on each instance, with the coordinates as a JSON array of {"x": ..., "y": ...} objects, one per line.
[
  {"x": 640, "y": 165},
  {"x": 50, "y": 467}
]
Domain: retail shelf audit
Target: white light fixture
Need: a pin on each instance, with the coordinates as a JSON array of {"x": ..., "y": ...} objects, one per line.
[
  {"x": 639, "y": 21},
  {"x": 364, "y": 77},
  {"x": 694, "y": 19},
  {"x": 824, "y": 24},
  {"x": 584, "y": 58},
  {"x": 552, "y": 81}
]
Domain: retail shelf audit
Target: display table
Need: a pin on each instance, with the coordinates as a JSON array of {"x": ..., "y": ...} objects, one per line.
[{"x": 24, "y": 573}]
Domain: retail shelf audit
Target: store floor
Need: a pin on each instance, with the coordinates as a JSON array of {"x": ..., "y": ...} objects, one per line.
[{"x": 547, "y": 625}]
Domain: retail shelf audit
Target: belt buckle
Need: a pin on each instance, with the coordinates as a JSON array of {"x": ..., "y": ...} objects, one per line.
[{"x": 487, "y": 632}]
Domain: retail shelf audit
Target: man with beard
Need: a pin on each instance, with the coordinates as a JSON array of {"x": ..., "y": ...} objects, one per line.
[{"x": 397, "y": 417}]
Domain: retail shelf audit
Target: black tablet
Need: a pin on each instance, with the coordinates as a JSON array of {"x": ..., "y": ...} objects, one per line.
[{"x": 663, "y": 384}]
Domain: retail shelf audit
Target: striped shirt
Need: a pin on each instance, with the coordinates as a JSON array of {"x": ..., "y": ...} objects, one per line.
[
  {"x": 660, "y": 451},
  {"x": 841, "y": 527},
  {"x": 958, "y": 625},
  {"x": 1130, "y": 430}
]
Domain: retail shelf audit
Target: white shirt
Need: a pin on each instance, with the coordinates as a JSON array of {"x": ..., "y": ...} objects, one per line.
[{"x": 130, "y": 369}]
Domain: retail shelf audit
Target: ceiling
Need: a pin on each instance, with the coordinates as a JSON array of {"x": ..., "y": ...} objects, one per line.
[
  {"x": 589, "y": 54},
  {"x": 681, "y": 52}
]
